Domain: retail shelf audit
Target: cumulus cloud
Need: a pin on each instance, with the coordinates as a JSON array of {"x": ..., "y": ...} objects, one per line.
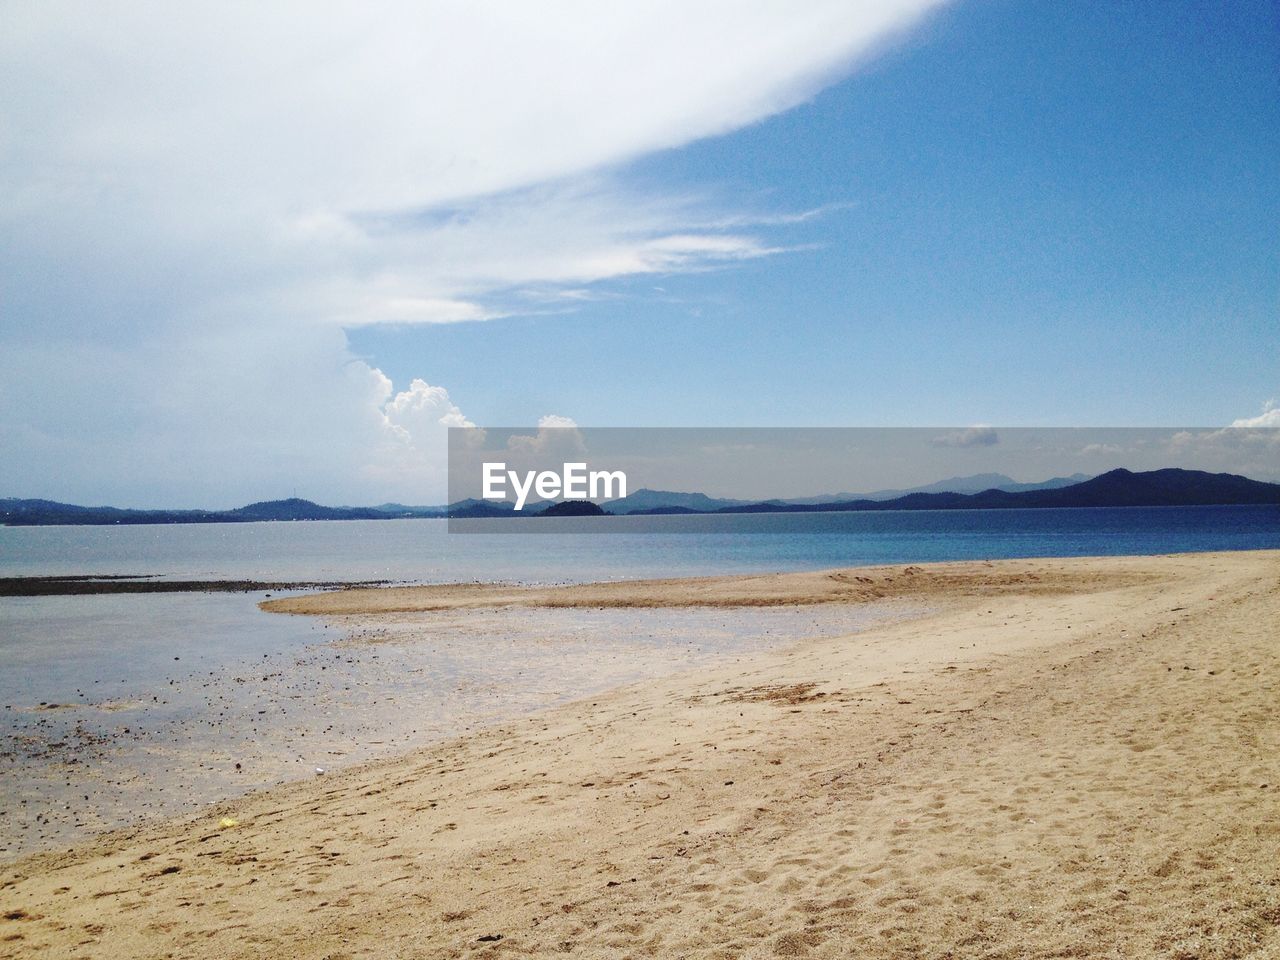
[
  {"x": 1262, "y": 431},
  {"x": 410, "y": 461},
  {"x": 421, "y": 409},
  {"x": 1270, "y": 417},
  {"x": 975, "y": 436},
  {"x": 1100, "y": 449},
  {"x": 1250, "y": 447},
  {"x": 553, "y": 421},
  {"x": 195, "y": 202},
  {"x": 558, "y": 439}
]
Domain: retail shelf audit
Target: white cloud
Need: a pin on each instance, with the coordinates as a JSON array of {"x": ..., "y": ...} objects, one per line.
[
  {"x": 414, "y": 152},
  {"x": 975, "y": 436},
  {"x": 420, "y": 310},
  {"x": 420, "y": 409},
  {"x": 1249, "y": 446},
  {"x": 195, "y": 200},
  {"x": 358, "y": 107},
  {"x": 558, "y": 439},
  {"x": 1270, "y": 417},
  {"x": 410, "y": 463}
]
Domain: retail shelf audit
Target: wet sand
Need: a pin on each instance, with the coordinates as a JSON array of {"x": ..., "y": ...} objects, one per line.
[
  {"x": 933, "y": 582},
  {"x": 1067, "y": 758},
  {"x": 181, "y": 731},
  {"x": 92, "y": 584}
]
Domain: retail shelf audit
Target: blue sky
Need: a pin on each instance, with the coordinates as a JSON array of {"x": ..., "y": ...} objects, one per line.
[
  {"x": 1040, "y": 214},
  {"x": 253, "y": 250}
]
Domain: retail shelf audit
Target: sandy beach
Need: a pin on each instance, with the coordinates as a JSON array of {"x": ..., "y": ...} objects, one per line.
[{"x": 1065, "y": 758}]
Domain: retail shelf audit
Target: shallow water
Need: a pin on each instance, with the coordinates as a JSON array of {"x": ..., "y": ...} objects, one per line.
[{"x": 158, "y": 735}]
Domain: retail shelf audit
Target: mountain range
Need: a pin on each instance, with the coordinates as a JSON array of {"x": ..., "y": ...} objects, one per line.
[
  {"x": 647, "y": 501},
  {"x": 1117, "y": 488},
  {"x": 1170, "y": 487},
  {"x": 15, "y": 512},
  {"x": 976, "y": 483}
]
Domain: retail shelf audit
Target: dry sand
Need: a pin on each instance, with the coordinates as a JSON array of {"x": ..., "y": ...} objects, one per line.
[{"x": 1071, "y": 758}]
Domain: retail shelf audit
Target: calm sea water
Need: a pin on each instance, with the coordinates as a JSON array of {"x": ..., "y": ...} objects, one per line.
[
  {"x": 422, "y": 550},
  {"x": 114, "y": 705}
]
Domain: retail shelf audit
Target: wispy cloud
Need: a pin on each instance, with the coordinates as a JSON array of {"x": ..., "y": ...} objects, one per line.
[{"x": 494, "y": 256}]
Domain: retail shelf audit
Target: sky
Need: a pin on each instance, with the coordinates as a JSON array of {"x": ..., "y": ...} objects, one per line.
[{"x": 256, "y": 250}]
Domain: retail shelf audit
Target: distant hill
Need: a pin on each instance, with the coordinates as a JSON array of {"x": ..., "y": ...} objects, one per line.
[
  {"x": 481, "y": 508},
  {"x": 14, "y": 512},
  {"x": 1053, "y": 483},
  {"x": 669, "y": 511},
  {"x": 573, "y": 508},
  {"x": 645, "y": 500},
  {"x": 1168, "y": 487},
  {"x": 975, "y": 483},
  {"x": 297, "y": 509},
  {"x": 404, "y": 511},
  {"x": 648, "y": 501}
]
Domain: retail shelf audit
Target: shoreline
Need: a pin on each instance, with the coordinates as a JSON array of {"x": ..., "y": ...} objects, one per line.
[
  {"x": 88, "y": 584},
  {"x": 895, "y": 792}
]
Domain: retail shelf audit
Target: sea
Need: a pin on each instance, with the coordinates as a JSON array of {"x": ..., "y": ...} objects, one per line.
[{"x": 119, "y": 707}]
